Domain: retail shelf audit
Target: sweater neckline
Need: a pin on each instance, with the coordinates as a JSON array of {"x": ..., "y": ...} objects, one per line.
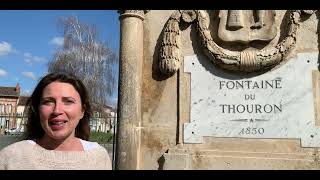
[{"x": 85, "y": 144}]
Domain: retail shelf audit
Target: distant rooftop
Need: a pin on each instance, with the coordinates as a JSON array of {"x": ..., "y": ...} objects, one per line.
[
  {"x": 96, "y": 107},
  {"x": 23, "y": 100},
  {"x": 10, "y": 91}
]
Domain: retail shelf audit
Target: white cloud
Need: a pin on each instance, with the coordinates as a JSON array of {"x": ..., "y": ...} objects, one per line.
[
  {"x": 29, "y": 58},
  {"x": 38, "y": 59},
  {"x": 5, "y": 48},
  {"x": 58, "y": 41},
  {"x": 27, "y": 55},
  {"x": 3, "y": 73},
  {"x": 29, "y": 75},
  {"x": 26, "y": 92}
]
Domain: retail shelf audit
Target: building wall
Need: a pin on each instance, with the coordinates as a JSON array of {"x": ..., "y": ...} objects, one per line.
[
  {"x": 103, "y": 123},
  {"x": 8, "y": 108},
  {"x": 21, "y": 118}
]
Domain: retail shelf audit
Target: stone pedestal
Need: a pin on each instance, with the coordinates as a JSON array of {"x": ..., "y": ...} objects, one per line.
[{"x": 192, "y": 159}]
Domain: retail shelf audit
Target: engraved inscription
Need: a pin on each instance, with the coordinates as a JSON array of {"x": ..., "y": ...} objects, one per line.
[
  {"x": 250, "y": 108},
  {"x": 276, "y": 104},
  {"x": 253, "y": 131}
]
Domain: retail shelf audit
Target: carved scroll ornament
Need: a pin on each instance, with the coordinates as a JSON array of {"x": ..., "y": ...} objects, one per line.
[{"x": 239, "y": 61}]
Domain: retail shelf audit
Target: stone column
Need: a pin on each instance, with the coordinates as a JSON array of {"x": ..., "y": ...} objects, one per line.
[{"x": 129, "y": 105}]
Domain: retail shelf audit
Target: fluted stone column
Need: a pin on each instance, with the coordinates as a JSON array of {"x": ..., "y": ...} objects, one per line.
[{"x": 131, "y": 57}]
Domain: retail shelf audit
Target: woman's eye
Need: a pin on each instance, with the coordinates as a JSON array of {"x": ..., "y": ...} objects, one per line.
[
  {"x": 46, "y": 102},
  {"x": 69, "y": 101}
]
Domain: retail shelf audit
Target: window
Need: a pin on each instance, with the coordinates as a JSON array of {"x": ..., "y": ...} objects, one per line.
[
  {"x": 2, "y": 108},
  {"x": 2, "y": 122},
  {"x": 96, "y": 114},
  {"x": 9, "y": 108}
]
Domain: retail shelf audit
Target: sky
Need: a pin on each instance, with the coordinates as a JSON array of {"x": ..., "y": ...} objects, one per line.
[{"x": 28, "y": 39}]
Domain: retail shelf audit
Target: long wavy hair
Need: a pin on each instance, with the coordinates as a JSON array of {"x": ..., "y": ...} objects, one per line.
[{"x": 34, "y": 129}]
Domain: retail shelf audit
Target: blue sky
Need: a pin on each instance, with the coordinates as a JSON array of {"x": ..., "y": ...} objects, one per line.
[{"x": 28, "y": 39}]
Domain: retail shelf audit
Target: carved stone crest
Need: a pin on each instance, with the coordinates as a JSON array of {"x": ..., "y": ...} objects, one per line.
[
  {"x": 245, "y": 26},
  {"x": 234, "y": 26}
]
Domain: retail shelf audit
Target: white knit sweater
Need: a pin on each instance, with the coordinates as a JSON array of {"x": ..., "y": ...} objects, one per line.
[{"x": 27, "y": 156}]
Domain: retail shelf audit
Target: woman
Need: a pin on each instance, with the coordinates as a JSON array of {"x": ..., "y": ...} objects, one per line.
[{"x": 57, "y": 130}]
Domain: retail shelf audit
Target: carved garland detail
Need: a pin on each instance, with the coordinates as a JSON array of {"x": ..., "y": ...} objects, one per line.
[
  {"x": 169, "y": 55},
  {"x": 245, "y": 61}
]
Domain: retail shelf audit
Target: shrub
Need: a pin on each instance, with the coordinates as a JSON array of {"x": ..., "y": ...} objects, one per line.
[{"x": 101, "y": 137}]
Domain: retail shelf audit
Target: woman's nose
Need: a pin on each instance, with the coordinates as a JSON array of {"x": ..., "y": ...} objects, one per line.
[{"x": 58, "y": 109}]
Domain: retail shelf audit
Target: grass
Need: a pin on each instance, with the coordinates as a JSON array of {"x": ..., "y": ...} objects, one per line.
[{"x": 101, "y": 137}]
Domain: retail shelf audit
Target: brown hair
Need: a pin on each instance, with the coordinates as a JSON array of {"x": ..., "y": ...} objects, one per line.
[{"x": 33, "y": 127}]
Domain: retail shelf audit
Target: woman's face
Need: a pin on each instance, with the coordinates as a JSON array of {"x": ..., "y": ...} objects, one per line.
[{"x": 60, "y": 110}]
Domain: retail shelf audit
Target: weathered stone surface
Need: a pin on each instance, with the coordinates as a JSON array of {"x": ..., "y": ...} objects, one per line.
[
  {"x": 186, "y": 159},
  {"x": 131, "y": 58},
  {"x": 153, "y": 136}
]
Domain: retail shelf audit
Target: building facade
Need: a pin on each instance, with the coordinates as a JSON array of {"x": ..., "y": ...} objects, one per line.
[
  {"x": 103, "y": 119},
  {"x": 12, "y": 106}
]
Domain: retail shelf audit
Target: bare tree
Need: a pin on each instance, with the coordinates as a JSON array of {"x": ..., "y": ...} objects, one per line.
[{"x": 88, "y": 58}]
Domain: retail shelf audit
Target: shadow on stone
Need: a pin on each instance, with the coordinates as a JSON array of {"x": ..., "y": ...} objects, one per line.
[{"x": 161, "y": 161}]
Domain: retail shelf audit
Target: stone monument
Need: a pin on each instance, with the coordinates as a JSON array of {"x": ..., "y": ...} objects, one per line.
[{"x": 219, "y": 89}]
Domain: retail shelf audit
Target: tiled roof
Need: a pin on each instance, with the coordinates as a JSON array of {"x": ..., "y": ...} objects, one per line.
[
  {"x": 23, "y": 100},
  {"x": 8, "y": 91},
  {"x": 104, "y": 109},
  {"x": 97, "y": 107}
]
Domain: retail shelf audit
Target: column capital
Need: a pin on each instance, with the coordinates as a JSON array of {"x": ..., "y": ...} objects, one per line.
[{"x": 132, "y": 13}]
